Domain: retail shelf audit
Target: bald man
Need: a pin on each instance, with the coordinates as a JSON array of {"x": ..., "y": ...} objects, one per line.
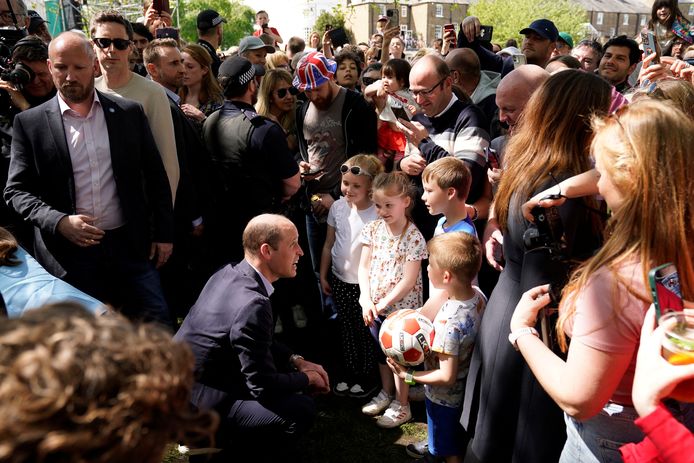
[
  {"x": 252, "y": 381},
  {"x": 512, "y": 95},
  {"x": 446, "y": 126},
  {"x": 99, "y": 201},
  {"x": 480, "y": 86}
]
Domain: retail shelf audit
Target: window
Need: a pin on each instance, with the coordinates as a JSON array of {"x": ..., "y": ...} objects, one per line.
[
  {"x": 643, "y": 20},
  {"x": 598, "y": 19},
  {"x": 439, "y": 10},
  {"x": 613, "y": 32},
  {"x": 403, "y": 11},
  {"x": 691, "y": 9},
  {"x": 307, "y": 33},
  {"x": 383, "y": 10},
  {"x": 625, "y": 20},
  {"x": 438, "y": 32}
]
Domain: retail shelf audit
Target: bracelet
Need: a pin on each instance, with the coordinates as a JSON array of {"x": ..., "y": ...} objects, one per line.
[
  {"x": 409, "y": 378},
  {"x": 477, "y": 214},
  {"x": 513, "y": 336}
]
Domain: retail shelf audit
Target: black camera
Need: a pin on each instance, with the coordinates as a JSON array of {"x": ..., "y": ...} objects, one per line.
[
  {"x": 545, "y": 261},
  {"x": 546, "y": 231},
  {"x": 20, "y": 74}
]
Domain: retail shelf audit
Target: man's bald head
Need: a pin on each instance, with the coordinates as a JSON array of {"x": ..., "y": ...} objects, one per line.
[
  {"x": 70, "y": 39},
  {"x": 465, "y": 61},
  {"x": 515, "y": 89},
  {"x": 264, "y": 229},
  {"x": 428, "y": 63}
]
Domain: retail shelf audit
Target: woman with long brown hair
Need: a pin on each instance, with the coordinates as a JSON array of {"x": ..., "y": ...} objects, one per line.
[
  {"x": 643, "y": 161},
  {"x": 516, "y": 420},
  {"x": 201, "y": 94}
]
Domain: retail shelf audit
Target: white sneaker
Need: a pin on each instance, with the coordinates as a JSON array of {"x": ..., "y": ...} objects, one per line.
[
  {"x": 377, "y": 404},
  {"x": 396, "y": 415},
  {"x": 341, "y": 388}
]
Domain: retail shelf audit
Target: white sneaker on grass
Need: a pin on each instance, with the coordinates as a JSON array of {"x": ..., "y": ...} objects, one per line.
[
  {"x": 377, "y": 404},
  {"x": 396, "y": 415}
]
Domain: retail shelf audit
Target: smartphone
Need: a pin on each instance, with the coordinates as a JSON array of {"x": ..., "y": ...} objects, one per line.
[
  {"x": 393, "y": 18},
  {"x": 665, "y": 289},
  {"x": 519, "y": 60},
  {"x": 493, "y": 159},
  {"x": 650, "y": 45},
  {"x": 167, "y": 33},
  {"x": 311, "y": 173},
  {"x": 338, "y": 37},
  {"x": 161, "y": 5},
  {"x": 486, "y": 33},
  {"x": 447, "y": 29},
  {"x": 400, "y": 113}
]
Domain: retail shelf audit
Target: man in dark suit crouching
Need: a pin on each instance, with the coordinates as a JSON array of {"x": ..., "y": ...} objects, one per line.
[
  {"x": 85, "y": 171},
  {"x": 253, "y": 382}
]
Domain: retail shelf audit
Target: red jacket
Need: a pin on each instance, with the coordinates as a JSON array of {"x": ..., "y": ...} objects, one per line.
[{"x": 667, "y": 440}]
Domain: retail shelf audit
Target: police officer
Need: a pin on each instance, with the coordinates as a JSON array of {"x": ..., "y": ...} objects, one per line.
[{"x": 255, "y": 172}]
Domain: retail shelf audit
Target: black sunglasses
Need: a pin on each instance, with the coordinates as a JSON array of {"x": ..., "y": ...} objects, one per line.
[
  {"x": 368, "y": 80},
  {"x": 356, "y": 170},
  {"x": 120, "y": 44},
  {"x": 282, "y": 92}
]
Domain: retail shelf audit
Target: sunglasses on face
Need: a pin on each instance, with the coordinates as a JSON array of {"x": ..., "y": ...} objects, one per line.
[
  {"x": 120, "y": 44},
  {"x": 282, "y": 92},
  {"x": 368, "y": 80},
  {"x": 356, "y": 170}
]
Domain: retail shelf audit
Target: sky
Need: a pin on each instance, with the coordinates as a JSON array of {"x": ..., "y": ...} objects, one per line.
[{"x": 288, "y": 15}]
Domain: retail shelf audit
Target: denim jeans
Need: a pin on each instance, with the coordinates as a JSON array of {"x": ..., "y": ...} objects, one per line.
[{"x": 597, "y": 440}]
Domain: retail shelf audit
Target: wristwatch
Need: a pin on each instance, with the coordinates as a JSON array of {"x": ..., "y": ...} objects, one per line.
[
  {"x": 513, "y": 337},
  {"x": 409, "y": 378},
  {"x": 293, "y": 358}
]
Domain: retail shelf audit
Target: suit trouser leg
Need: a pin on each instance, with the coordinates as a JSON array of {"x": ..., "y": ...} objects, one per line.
[{"x": 269, "y": 430}]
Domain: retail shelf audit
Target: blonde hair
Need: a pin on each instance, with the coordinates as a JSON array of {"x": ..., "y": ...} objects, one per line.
[
  {"x": 396, "y": 184},
  {"x": 680, "y": 92},
  {"x": 459, "y": 253},
  {"x": 267, "y": 85},
  {"x": 273, "y": 60},
  {"x": 449, "y": 172},
  {"x": 646, "y": 148},
  {"x": 366, "y": 162},
  {"x": 80, "y": 388}
]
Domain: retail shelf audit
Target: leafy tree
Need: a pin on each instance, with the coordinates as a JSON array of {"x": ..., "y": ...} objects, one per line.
[
  {"x": 240, "y": 19},
  {"x": 510, "y": 16}
]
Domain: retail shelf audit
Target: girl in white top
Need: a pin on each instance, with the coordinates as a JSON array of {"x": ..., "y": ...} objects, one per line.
[{"x": 342, "y": 249}]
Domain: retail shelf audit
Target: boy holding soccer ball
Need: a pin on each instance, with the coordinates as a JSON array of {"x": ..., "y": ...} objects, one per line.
[{"x": 454, "y": 260}]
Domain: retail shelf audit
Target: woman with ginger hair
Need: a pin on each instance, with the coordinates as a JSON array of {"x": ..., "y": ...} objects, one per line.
[
  {"x": 649, "y": 191},
  {"x": 201, "y": 94}
]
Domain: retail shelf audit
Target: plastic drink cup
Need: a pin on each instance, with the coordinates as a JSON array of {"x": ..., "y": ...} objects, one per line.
[{"x": 678, "y": 342}]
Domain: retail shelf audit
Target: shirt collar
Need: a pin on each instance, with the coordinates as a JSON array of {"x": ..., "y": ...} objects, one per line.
[
  {"x": 448, "y": 106},
  {"x": 65, "y": 108},
  {"x": 173, "y": 95},
  {"x": 268, "y": 286}
]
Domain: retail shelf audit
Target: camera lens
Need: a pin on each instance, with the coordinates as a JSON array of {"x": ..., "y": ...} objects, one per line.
[{"x": 21, "y": 74}]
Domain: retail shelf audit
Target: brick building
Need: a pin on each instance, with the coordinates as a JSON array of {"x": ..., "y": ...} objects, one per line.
[{"x": 422, "y": 20}]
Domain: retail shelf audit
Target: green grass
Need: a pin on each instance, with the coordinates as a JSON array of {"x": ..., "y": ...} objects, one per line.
[{"x": 342, "y": 434}]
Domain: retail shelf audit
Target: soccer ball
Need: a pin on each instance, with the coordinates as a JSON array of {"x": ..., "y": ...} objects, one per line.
[{"x": 406, "y": 337}]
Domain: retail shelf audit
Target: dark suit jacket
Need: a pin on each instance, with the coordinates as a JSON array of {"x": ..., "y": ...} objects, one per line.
[
  {"x": 41, "y": 185},
  {"x": 230, "y": 330}
]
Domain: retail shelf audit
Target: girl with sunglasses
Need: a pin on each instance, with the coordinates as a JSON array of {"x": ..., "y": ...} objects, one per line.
[
  {"x": 338, "y": 272},
  {"x": 276, "y": 101}
]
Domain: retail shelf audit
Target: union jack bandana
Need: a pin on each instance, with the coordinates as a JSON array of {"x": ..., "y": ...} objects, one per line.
[{"x": 313, "y": 70}]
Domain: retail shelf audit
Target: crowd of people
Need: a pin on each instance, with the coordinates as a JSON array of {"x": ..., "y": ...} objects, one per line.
[{"x": 515, "y": 196}]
